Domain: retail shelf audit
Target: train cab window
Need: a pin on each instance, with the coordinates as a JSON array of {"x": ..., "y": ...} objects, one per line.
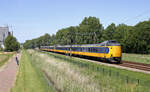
[{"x": 111, "y": 43}]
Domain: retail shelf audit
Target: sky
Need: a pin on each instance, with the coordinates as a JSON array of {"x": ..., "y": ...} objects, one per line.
[{"x": 30, "y": 19}]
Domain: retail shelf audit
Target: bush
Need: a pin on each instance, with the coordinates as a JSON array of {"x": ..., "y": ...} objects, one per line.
[{"x": 11, "y": 44}]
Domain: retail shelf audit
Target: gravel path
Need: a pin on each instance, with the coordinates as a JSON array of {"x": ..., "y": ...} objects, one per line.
[{"x": 8, "y": 74}]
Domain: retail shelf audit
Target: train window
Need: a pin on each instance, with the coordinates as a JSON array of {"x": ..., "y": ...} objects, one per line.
[
  {"x": 74, "y": 48},
  {"x": 83, "y": 49},
  {"x": 93, "y": 50},
  {"x": 89, "y": 49},
  {"x": 96, "y": 50},
  {"x": 103, "y": 44},
  {"x": 86, "y": 49},
  {"x": 80, "y": 49}
]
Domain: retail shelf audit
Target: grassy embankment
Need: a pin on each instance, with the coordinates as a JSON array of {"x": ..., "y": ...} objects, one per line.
[
  {"x": 76, "y": 75},
  {"x": 136, "y": 58},
  {"x": 30, "y": 78},
  {"x": 4, "y": 58}
]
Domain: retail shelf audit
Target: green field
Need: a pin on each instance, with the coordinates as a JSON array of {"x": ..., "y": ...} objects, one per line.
[
  {"x": 4, "y": 58},
  {"x": 76, "y": 75},
  {"x": 136, "y": 58},
  {"x": 29, "y": 77}
]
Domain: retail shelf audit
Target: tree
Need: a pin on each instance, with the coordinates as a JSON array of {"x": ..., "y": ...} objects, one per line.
[
  {"x": 92, "y": 29},
  {"x": 109, "y": 32},
  {"x": 11, "y": 44},
  {"x": 65, "y": 35},
  {"x": 44, "y": 40},
  {"x": 89, "y": 31},
  {"x": 142, "y": 30},
  {"x": 123, "y": 34},
  {"x": 53, "y": 40}
]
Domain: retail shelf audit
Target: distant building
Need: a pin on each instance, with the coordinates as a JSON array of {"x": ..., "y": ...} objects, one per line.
[{"x": 4, "y": 32}]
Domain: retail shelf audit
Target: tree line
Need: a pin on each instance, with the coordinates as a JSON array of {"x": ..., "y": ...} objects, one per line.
[{"x": 134, "y": 39}]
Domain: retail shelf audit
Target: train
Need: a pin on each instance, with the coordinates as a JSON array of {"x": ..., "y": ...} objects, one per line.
[{"x": 108, "y": 50}]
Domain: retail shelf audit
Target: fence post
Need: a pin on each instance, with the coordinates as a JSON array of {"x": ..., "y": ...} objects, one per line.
[
  {"x": 118, "y": 74},
  {"x": 138, "y": 81},
  {"x": 103, "y": 70},
  {"x": 97, "y": 69},
  {"x": 109, "y": 72},
  {"x": 127, "y": 80},
  {"x": 88, "y": 68}
]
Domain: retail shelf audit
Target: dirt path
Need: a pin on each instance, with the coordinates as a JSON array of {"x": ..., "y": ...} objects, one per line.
[{"x": 8, "y": 74}]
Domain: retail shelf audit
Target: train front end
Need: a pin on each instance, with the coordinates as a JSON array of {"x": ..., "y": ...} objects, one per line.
[{"x": 116, "y": 52}]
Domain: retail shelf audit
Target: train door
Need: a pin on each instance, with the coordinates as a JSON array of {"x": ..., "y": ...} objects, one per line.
[
  {"x": 70, "y": 51},
  {"x": 65, "y": 50},
  {"x": 105, "y": 50}
]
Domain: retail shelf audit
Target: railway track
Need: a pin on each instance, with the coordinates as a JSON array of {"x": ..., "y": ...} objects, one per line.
[
  {"x": 135, "y": 65},
  {"x": 126, "y": 64}
]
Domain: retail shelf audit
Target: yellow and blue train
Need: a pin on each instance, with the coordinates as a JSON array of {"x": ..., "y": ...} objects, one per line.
[{"x": 108, "y": 50}]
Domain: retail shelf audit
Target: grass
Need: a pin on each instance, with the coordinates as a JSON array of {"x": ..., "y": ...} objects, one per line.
[
  {"x": 136, "y": 58},
  {"x": 63, "y": 76},
  {"x": 30, "y": 78},
  {"x": 4, "y": 58},
  {"x": 76, "y": 75}
]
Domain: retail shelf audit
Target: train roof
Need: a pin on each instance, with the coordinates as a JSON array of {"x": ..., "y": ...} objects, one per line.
[{"x": 87, "y": 45}]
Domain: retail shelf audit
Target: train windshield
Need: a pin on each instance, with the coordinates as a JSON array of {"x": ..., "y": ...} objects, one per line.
[{"x": 113, "y": 43}]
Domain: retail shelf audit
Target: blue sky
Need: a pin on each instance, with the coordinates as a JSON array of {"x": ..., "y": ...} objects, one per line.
[{"x": 33, "y": 18}]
